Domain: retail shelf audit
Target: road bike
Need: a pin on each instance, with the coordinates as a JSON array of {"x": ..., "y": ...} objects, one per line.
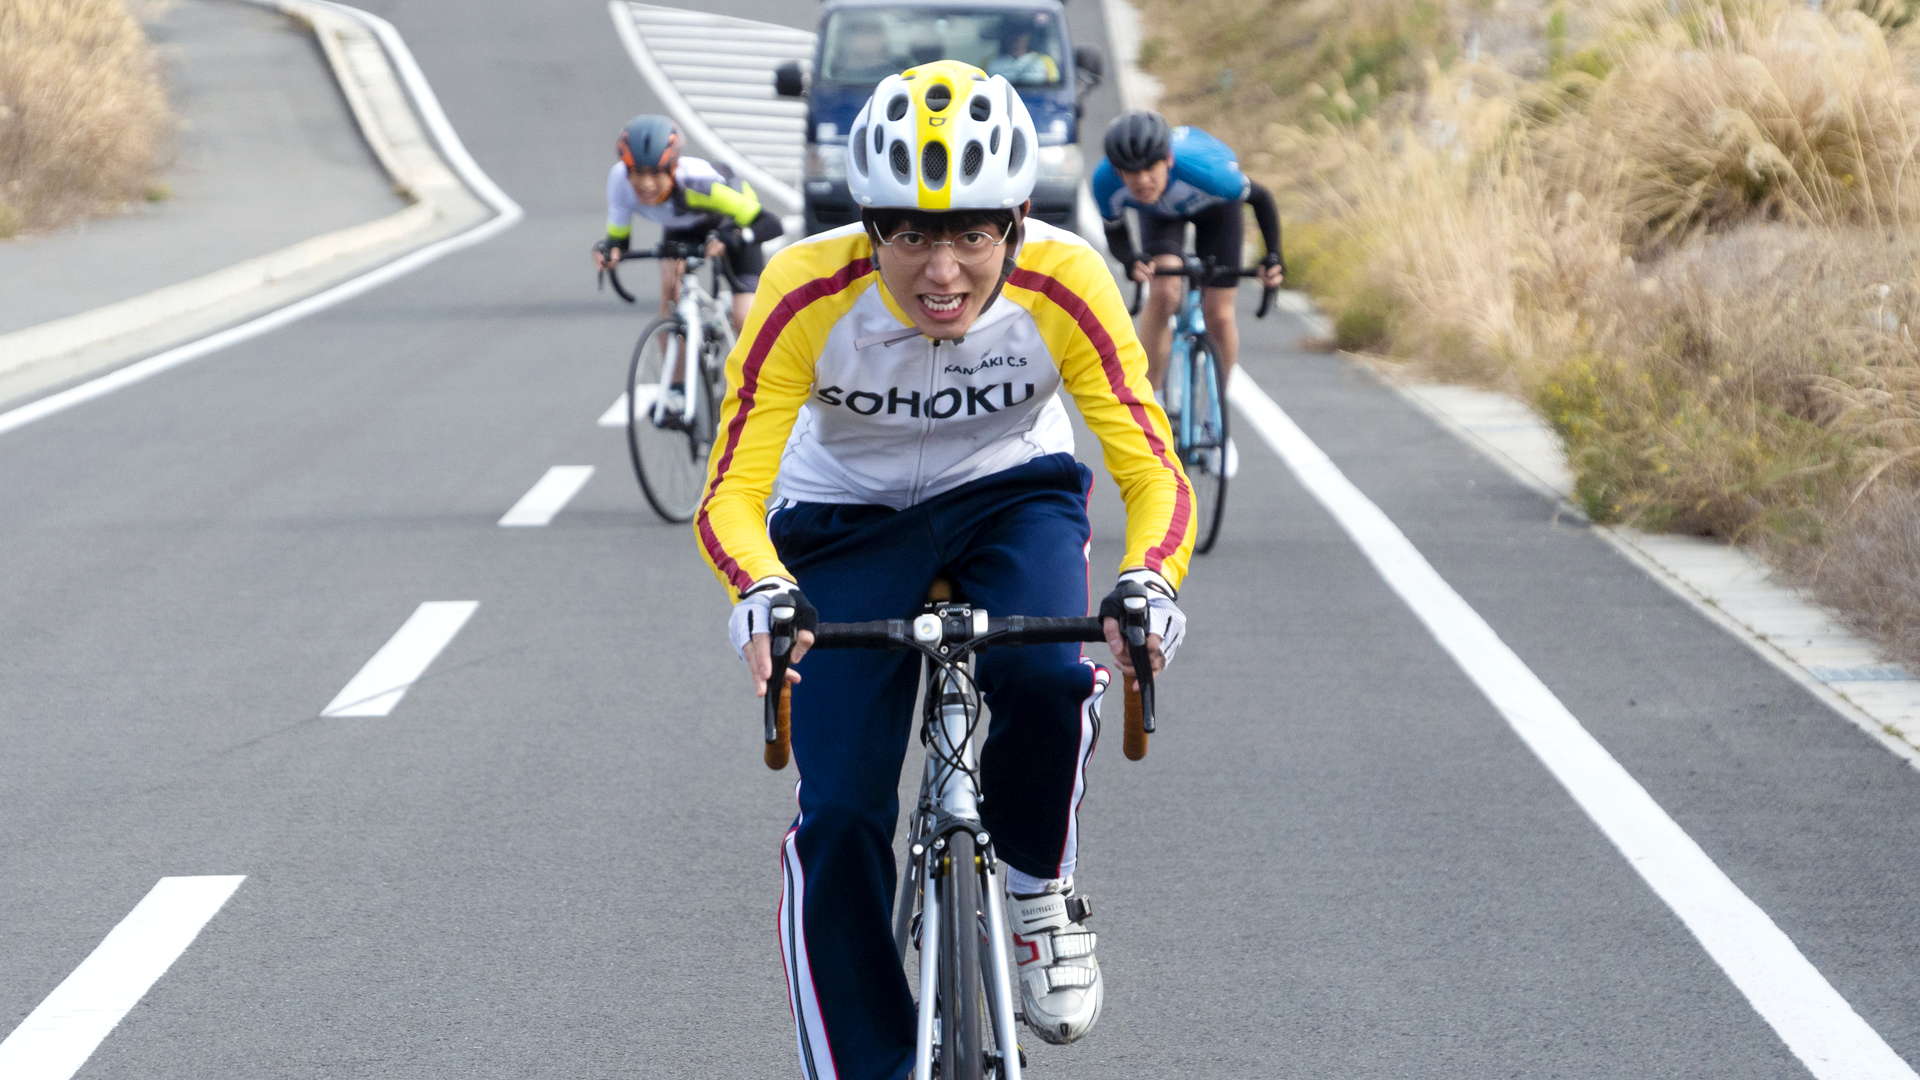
[
  {"x": 1194, "y": 395},
  {"x": 676, "y": 380},
  {"x": 951, "y": 913}
]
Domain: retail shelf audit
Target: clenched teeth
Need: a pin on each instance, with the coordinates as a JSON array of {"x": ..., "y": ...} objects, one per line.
[{"x": 942, "y": 302}]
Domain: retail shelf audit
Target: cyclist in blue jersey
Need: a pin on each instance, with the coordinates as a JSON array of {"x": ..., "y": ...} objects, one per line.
[
  {"x": 689, "y": 198},
  {"x": 1172, "y": 176}
]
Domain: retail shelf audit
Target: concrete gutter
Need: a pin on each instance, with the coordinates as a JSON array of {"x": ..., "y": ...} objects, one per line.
[{"x": 62, "y": 351}]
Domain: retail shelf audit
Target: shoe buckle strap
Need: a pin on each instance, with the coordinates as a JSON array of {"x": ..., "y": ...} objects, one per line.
[
  {"x": 1070, "y": 978},
  {"x": 1072, "y": 946}
]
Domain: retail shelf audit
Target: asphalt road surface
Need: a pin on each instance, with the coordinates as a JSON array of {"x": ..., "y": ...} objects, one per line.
[{"x": 555, "y": 855}]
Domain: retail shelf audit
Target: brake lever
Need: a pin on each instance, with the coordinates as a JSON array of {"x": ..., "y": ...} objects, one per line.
[
  {"x": 780, "y": 641},
  {"x": 1134, "y": 632}
]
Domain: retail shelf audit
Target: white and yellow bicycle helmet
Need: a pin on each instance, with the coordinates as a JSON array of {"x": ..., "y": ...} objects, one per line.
[{"x": 943, "y": 136}]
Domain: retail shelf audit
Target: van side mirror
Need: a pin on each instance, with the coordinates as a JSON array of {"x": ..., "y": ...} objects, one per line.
[
  {"x": 787, "y": 80},
  {"x": 1090, "y": 66}
]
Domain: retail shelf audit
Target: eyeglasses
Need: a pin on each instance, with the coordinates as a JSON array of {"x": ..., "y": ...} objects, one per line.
[{"x": 971, "y": 247}]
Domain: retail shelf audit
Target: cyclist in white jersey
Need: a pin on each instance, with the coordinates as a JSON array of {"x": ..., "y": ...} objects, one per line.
[{"x": 690, "y": 198}]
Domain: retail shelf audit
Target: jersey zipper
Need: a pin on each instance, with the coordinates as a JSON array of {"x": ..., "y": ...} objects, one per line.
[{"x": 926, "y": 419}]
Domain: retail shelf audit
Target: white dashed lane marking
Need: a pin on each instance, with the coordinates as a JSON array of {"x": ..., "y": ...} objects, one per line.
[
  {"x": 401, "y": 661},
  {"x": 548, "y": 496},
  {"x": 57, "y": 1038}
]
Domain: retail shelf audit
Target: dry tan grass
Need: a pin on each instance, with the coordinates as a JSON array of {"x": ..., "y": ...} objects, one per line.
[
  {"x": 1687, "y": 230},
  {"x": 84, "y": 122}
]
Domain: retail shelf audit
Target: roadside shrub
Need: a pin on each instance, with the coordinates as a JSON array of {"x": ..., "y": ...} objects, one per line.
[{"x": 84, "y": 121}]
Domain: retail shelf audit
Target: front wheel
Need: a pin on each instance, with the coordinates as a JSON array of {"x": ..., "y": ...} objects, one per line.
[
  {"x": 961, "y": 1009},
  {"x": 668, "y": 441},
  {"x": 1205, "y": 455}
]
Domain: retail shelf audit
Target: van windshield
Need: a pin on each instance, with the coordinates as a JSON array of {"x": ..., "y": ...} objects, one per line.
[{"x": 866, "y": 44}]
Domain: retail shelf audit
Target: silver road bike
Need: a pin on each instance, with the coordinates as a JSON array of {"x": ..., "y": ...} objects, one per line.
[{"x": 952, "y": 907}]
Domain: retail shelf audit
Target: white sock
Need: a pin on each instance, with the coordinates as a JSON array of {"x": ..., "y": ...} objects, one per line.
[{"x": 1020, "y": 884}]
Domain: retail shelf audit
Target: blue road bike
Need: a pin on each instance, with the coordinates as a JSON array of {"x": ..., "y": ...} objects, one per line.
[{"x": 1194, "y": 396}]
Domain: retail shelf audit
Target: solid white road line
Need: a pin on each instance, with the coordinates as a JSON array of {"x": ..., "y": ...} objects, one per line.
[
  {"x": 58, "y": 1037},
  {"x": 548, "y": 496},
  {"x": 400, "y": 662},
  {"x": 508, "y": 212},
  {"x": 1809, "y": 1015}
]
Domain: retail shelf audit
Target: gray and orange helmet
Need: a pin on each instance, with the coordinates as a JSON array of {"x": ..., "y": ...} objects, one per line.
[{"x": 648, "y": 142}]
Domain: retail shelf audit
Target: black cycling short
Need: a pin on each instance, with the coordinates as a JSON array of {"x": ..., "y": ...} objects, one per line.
[
  {"x": 743, "y": 262},
  {"x": 1218, "y": 232}
]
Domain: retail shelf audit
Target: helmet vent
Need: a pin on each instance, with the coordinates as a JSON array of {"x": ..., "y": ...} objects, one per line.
[
  {"x": 859, "y": 144},
  {"x": 879, "y": 138},
  {"x": 1016, "y": 153},
  {"x": 933, "y": 164},
  {"x": 970, "y": 160},
  {"x": 897, "y": 108},
  {"x": 993, "y": 141},
  {"x": 939, "y": 96},
  {"x": 901, "y": 161},
  {"x": 980, "y": 107}
]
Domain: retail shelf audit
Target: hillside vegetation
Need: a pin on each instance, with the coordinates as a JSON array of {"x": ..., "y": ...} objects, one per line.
[
  {"x": 84, "y": 120},
  {"x": 1685, "y": 230}
]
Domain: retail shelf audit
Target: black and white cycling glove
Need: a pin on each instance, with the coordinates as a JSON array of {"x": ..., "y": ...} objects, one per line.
[
  {"x": 753, "y": 614},
  {"x": 1164, "y": 617},
  {"x": 607, "y": 245}
]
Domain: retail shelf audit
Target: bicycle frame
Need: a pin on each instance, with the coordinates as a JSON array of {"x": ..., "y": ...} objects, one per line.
[
  {"x": 703, "y": 312},
  {"x": 1188, "y": 323}
]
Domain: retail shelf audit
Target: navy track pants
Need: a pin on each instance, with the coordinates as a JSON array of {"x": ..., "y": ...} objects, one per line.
[{"x": 1014, "y": 543}]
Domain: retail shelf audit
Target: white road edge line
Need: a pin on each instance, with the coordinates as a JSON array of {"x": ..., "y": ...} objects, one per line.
[
  {"x": 402, "y": 660},
  {"x": 58, "y": 1037},
  {"x": 509, "y": 213},
  {"x": 1809, "y": 1015},
  {"x": 686, "y": 115},
  {"x": 548, "y": 496}
]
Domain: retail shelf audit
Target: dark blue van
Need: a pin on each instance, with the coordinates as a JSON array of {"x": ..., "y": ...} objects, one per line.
[{"x": 861, "y": 42}]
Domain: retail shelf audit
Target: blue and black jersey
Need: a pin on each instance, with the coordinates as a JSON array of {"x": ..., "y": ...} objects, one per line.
[{"x": 1205, "y": 173}]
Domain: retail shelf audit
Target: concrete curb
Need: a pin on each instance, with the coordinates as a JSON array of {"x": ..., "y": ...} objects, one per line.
[
  {"x": 61, "y": 350},
  {"x": 1731, "y": 587}
]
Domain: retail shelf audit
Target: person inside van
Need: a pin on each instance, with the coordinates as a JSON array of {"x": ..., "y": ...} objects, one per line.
[{"x": 1019, "y": 61}]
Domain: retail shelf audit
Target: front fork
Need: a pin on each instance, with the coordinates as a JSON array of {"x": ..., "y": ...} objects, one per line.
[{"x": 930, "y": 864}]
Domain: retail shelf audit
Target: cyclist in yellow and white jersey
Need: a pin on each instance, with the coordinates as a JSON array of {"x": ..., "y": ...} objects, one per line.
[{"x": 892, "y": 415}]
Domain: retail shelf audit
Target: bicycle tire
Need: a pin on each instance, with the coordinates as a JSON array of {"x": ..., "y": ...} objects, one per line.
[
  {"x": 670, "y": 462},
  {"x": 1205, "y": 457},
  {"x": 962, "y": 998}
]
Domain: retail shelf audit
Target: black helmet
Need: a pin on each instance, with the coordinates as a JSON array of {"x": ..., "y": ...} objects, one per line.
[
  {"x": 648, "y": 142},
  {"x": 1137, "y": 139}
]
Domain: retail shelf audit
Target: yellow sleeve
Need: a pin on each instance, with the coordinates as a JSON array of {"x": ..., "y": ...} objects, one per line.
[
  {"x": 804, "y": 290},
  {"x": 1085, "y": 323}
]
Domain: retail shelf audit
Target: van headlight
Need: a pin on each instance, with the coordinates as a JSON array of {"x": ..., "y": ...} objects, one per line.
[{"x": 1061, "y": 164}]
